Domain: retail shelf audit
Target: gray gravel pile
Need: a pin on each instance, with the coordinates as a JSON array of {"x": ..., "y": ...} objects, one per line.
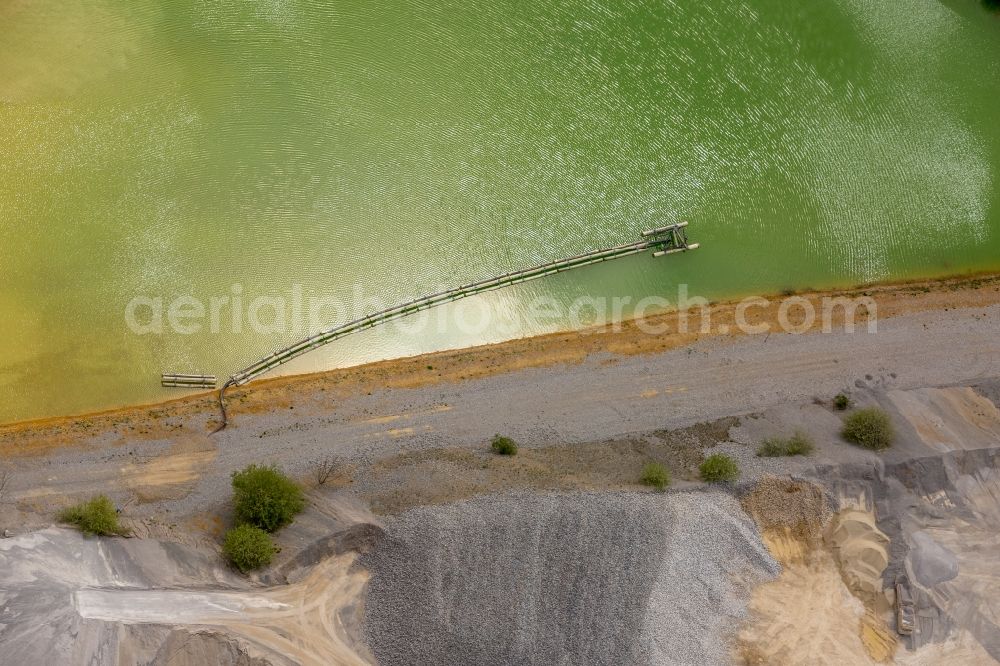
[{"x": 578, "y": 578}]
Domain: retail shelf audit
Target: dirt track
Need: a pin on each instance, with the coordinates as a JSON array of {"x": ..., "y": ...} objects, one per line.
[{"x": 299, "y": 622}]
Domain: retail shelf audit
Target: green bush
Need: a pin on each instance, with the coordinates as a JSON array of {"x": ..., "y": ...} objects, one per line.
[
  {"x": 247, "y": 547},
  {"x": 505, "y": 446},
  {"x": 656, "y": 475},
  {"x": 719, "y": 467},
  {"x": 772, "y": 448},
  {"x": 799, "y": 445},
  {"x": 841, "y": 401},
  {"x": 869, "y": 428},
  {"x": 96, "y": 516},
  {"x": 265, "y": 498}
]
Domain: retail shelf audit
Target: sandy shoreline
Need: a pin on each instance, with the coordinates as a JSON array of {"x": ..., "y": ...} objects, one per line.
[{"x": 570, "y": 347}]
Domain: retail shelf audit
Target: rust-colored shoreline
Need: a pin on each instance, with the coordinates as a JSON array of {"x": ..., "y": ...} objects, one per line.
[{"x": 324, "y": 389}]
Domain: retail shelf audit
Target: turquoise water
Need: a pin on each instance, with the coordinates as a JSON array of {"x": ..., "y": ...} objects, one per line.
[{"x": 177, "y": 149}]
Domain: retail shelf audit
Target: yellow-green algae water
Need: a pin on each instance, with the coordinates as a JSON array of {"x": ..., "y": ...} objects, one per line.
[{"x": 379, "y": 150}]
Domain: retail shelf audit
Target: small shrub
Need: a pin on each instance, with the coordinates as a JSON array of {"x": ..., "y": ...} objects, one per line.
[
  {"x": 247, "y": 547},
  {"x": 505, "y": 446},
  {"x": 869, "y": 428},
  {"x": 656, "y": 475},
  {"x": 841, "y": 401},
  {"x": 772, "y": 448},
  {"x": 97, "y": 516},
  {"x": 324, "y": 468},
  {"x": 799, "y": 445},
  {"x": 265, "y": 498},
  {"x": 719, "y": 467},
  {"x": 5, "y": 476}
]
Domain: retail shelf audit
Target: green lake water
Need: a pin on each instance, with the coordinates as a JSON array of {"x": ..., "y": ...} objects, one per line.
[{"x": 376, "y": 151}]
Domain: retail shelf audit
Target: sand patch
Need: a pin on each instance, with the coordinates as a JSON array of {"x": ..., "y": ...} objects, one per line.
[
  {"x": 861, "y": 551},
  {"x": 950, "y": 418},
  {"x": 390, "y": 418},
  {"x": 962, "y": 648},
  {"x": 806, "y": 616},
  {"x": 879, "y": 640},
  {"x": 145, "y": 478},
  {"x": 813, "y": 613},
  {"x": 173, "y": 475}
]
